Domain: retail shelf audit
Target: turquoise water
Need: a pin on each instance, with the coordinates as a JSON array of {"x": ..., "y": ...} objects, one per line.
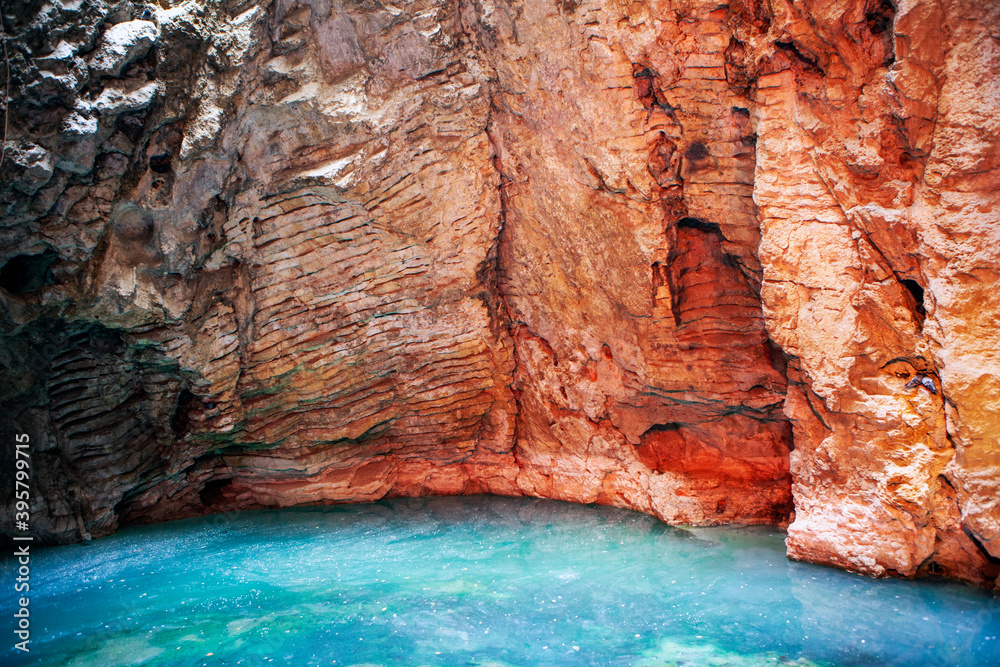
[{"x": 480, "y": 581}]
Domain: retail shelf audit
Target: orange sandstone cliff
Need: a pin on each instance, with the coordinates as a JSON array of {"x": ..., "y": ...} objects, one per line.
[{"x": 718, "y": 262}]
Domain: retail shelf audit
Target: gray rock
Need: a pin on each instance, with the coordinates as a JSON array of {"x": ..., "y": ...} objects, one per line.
[
  {"x": 33, "y": 163},
  {"x": 122, "y": 44},
  {"x": 114, "y": 101}
]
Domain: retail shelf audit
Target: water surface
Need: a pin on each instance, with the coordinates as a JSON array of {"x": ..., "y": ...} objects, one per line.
[{"x": 480, "y": 581}]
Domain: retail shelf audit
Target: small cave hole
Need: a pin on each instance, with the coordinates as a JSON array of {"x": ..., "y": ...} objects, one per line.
[
  {"x": 214, "y": 491},
  {"x": 663, "y": 428},
  {"x": 879, "y": 21},
  {"x": 696, "y": 151},
  {"x": 123, "y": 509},
  {"x": 23, "y": 274},
  {"x": 810, "y": 64},
  {"x": 880, "y": 18},
  {"x": 935, "y": 569},
  {"x": 700, "y": 225},
  {"x": 914, "y": 288},
  {"x": 160, "y": 163},
  {"x": 180, "y": 423}
]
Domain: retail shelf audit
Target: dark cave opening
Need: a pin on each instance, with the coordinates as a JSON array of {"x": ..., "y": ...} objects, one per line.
[
  {"x": 880, "y": 18},
  {"x": 809, "y": 63},
  {"x": 23, "y": 274},
  {"x": 701, "y": 226},
  {"x": 160, "y": 164},
  {"x": 181, "y": 420},
  {"x": 917, "y": 292},
  {"x": 663, "y": 428},
  {"x": 696, "y": 151},
  {"x": 214, "y": 491}
]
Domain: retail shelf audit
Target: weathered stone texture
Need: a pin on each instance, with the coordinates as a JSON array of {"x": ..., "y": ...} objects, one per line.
[
  {"x": 683, "y": 257},
  {"x": 629, "y": 267},
  {"x": 875, "y": 184}
]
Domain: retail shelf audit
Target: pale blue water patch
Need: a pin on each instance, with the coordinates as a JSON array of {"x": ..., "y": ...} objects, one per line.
[{"x": 480, "y": 581}]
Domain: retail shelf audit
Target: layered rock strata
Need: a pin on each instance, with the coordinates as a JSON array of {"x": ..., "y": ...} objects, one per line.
[{"x": 685, "y": 257}]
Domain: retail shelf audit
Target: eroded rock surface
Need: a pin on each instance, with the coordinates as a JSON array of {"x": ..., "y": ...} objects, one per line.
[
  {"x": 683, "y": 257},
  {"x": 875, "y": 184}
]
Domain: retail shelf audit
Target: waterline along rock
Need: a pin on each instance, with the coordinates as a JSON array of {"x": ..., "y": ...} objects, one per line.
[{"x": 684, "y": 257}]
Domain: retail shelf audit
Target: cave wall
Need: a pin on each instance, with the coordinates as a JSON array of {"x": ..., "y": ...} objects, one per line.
[{"x": 684, "y": 257}]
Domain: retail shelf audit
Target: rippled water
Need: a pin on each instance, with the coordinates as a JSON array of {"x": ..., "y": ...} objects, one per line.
[{"x": 480, "y": 581}]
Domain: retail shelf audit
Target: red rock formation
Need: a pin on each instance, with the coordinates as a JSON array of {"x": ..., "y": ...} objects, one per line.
[
  {"x": 863, "y": 237},
  {"x": 628, "y": 263},
  {"x": 677, "y": 256}
]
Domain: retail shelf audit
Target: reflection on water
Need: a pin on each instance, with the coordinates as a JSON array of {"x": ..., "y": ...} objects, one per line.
[{"x": 480, "y": 581}]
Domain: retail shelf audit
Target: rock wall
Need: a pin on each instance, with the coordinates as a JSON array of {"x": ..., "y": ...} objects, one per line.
[
  {"x": 877, "y": 188},
  {"x": 692, "y": 258}
]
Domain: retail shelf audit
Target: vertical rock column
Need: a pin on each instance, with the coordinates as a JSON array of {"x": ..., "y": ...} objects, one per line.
[
  {"x": 856, "y": 133},
  {"x": 628, "y": 262}
]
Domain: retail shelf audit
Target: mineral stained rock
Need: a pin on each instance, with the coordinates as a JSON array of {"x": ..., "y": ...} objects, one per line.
[{"x": 685, "y": 257}]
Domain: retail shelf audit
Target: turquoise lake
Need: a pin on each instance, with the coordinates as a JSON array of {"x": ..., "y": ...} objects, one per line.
[{"x": 479, "y": 581}]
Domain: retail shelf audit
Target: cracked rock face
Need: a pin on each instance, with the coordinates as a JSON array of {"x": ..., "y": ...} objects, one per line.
[{"x": 715, "y": 262}]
